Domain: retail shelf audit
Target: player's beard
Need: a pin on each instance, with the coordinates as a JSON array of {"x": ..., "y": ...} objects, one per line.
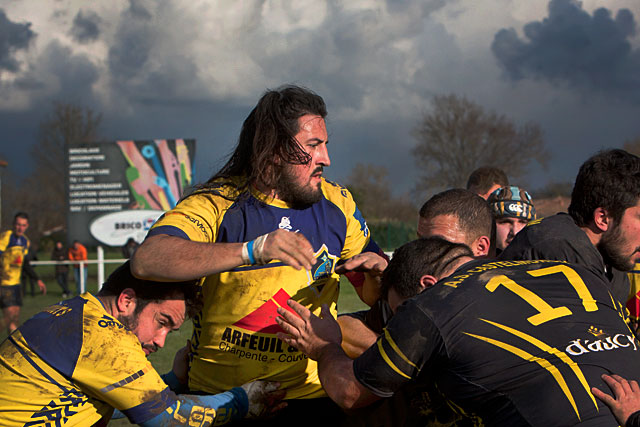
[
  {"x": 297, "y": 196},
  {"x": 611, "y": 247},
  {"x": 131, "y": 323}
]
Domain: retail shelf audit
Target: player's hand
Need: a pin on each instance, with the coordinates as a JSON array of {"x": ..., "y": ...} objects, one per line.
[
  {"x": 366, "y": 262},
  {"x": 307, "y": 332},
  {"x": 181, "y": 363},
  {"x": 627, "y": 397},
  {"x": 43, "y": 287},
  {"x": 291, "y": 248},
  {"x": 265, "y": 398}
]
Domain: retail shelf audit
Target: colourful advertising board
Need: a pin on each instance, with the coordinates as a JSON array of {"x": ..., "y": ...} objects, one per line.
[{"x": 116, "y": 190}]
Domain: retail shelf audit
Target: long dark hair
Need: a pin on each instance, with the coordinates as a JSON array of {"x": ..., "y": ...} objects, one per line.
[{"x": 267, "y": 140}]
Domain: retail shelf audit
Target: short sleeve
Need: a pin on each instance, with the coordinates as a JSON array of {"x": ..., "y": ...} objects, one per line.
[
  {"x": 195, "y": 218},
  {"x": 409, "y": 342},
  {"x": 113, "y": 368}
]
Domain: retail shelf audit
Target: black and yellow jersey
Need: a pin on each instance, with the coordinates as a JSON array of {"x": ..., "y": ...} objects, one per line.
[
  {"x": 558, "y": 237},
  {"x": 509, "y": 342}
]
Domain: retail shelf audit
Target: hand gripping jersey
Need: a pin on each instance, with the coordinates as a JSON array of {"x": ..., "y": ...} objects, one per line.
[
  {"x": 234, "y": 337},
  {"x": 511, "y": 342},
  {"x": 71, "y": 365},
  {"x": 13, "y": 249}
]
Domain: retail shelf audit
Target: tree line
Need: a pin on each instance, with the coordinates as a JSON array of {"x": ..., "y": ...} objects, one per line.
[{"x": 452, "y": 138}]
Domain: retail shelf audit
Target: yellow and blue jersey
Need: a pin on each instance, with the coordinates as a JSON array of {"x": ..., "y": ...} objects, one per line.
[
  {"x": 13, "y": 249},
  {"x": 71, "y": 364},
  {"x": 234, "y": 338}
]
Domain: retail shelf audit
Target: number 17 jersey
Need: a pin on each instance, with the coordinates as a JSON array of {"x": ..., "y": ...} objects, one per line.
[{"x": 510, "y": 342}]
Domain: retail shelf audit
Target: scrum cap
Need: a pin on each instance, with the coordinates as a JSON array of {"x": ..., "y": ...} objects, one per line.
[{"x": 512, "y": 201}]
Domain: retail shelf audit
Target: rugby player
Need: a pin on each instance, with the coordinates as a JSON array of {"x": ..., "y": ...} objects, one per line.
[
  {"x": 14, "y": 246},
  {"x": 457, "y": 215},
  {"x": 265, "y": 228},
  {"x": 602, "y": 229},
  {"x": 511, "y": 342},
  {"x": 512, "y": 209},
  {"x": 76, "y": 361},
  {"x": 485, "y": 180}
]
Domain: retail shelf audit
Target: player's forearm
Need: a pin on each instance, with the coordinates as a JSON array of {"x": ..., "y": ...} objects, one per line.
[
  {"x": 215, "y": 409},
  {"x": 169, "y": 258},
  {"x": 356, "y": 336},
  {"x": 336, "y": 375}
]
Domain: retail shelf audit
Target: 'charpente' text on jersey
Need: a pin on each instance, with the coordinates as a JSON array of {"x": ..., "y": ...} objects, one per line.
[{"x": 234, "y": 337}]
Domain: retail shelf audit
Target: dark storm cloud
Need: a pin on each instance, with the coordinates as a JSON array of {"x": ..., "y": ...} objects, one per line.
[
  {"x": 13, "y": 37},
  {"x": 85, "y": 27},
  {"x": 133, "y": 41},
  {"x": 571, "y": 46},
  {"x": 76, "y": 74}
]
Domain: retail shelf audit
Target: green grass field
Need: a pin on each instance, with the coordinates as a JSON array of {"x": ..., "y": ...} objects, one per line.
[{"x": 163, "y": 359}]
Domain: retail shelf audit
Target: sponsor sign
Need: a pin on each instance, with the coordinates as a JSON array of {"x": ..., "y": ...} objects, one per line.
[
  {"x": 118, "y": 176},
  {"x": 114, "y": 229}
]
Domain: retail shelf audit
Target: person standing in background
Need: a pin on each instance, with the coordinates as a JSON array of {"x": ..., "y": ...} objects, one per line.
[
  {"x": 77, "y": 252},
  {"x": 14, "y": 246},
  {"x": 62, "y": 270}
]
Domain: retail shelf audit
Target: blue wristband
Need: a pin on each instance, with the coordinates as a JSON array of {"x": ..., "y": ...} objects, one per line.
[{"x": 252, "y": 260}]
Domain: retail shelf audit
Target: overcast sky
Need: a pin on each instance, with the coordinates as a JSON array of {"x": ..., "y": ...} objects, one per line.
[{"x": 194, "y": 69}]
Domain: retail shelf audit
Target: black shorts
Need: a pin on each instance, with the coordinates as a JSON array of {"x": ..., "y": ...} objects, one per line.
[{"x": 10, "y": 296}]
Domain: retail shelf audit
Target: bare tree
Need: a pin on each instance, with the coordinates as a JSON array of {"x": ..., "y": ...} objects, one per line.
[
  {"x": 457, "y": 136},
  {"x": 633, "y": 146},
  {"x": 371, "y": 190},
  {"x": 43, "y": 193}
]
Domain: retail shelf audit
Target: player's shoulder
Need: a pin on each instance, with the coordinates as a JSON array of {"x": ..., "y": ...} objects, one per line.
[{"x": 334, "y": 190}]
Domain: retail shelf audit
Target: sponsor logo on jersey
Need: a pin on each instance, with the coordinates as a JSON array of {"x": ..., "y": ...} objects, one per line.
[
  {"x": 108, "y": 322},
  {"x": 285, "y": 223},
  {"x": 581, "y": 346},
  {"x": 363, "y": 224},
  {"x": 198, "y": 224}
]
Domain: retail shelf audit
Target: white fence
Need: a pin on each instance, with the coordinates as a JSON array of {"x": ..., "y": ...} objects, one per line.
[{"x": 83, "y": 264}]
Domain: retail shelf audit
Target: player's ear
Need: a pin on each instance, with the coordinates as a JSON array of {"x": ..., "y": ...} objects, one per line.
[
  {"x": 481, "y": 246},
  {"x": 126, "y": 302},
  {"x": 601, "y": 219},
  {"x": 427, "y": 281}
]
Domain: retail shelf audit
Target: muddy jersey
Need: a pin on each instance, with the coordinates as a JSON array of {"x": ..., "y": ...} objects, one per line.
[
  {"x": 13, "y": 249},
  {"x": 234, "y": 338},
  {"x": 559, "y": 237},
  {"x": 71, "y": 364},
  {"x": 509, "y": 342}
]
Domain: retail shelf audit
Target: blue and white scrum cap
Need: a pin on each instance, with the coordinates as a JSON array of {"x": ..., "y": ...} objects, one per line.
[{"x": 512, "y": 201}]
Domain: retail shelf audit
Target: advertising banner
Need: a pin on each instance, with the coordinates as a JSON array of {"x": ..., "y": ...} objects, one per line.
[{"x": 116, "y": 190}]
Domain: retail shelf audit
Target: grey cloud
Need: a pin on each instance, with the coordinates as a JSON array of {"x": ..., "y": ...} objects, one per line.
[
  {"x": 133, "y": 42},
  {"x": 591, "y": 52},
  {"x": 13, "y": 37},
  {"x": 85, "y": 27},
  {"x": 76, "y": 74}
]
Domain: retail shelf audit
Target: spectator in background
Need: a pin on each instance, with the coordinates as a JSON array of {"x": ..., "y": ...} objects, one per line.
[
  {"x": 129, "y": 248},
  {"x": 62, "y": 270},
  {"x": 14, "y": 246},
  {"x": 512, "y": 209},
  {"x": 485, "y": 180},
  {"x": 77, "y": 252}
]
